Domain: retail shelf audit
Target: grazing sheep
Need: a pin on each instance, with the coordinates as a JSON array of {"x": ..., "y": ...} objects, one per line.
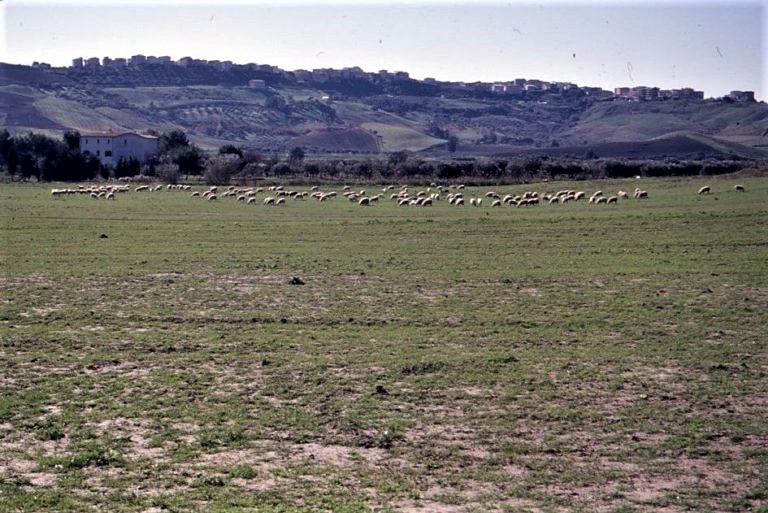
[
  {"x": 601, "y": 199},
  {"x": 739, "y": 187},
  {"x": 142, "y": 188},
  {"x": 269, "y": 200},
  {"x": 364, "y": 201},
  {"x": 554, "y": 200},
  {"x": 250, "y": 200},
  {"x": 640, "y": 193},
  {"x": 110, "y": 195},
  {"x": 579, "y": 195},
  {"x": 211, "y": 197},
  {"x": 280, "y": 201},
  {"x": 427, "y": 202},
  {"x": 195, "y": 194},
  {"x": 623, "y": 194},
  {"x": 612, "y": 199},
  {"x": 458, "y": 201},
  {"x": 496, "y": 203},
  {"x": 704, "y": 189}
]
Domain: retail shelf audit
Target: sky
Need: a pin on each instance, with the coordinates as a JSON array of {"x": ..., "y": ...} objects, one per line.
[{"x": 711, "y": 46}]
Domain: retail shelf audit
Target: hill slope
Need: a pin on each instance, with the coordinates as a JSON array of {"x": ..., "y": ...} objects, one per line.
[{"x": 216, "y": 107}]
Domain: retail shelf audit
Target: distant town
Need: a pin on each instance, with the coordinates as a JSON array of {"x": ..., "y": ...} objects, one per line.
[{"x": 512, "y": 88}]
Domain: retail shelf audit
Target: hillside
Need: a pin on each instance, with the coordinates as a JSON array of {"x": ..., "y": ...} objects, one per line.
[{"x": 351, "y": 114}]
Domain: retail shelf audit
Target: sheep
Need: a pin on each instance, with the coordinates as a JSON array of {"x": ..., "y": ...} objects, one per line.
[
  {"x": 601, "y": 199},
  {"x": 579, "y": 195},
  {"x": 496, "y": 203},
  {"x": 364, "y": 201},
  {"x": 142, "y": 188},
  {"x": 554, "y": 200},
  {"x": 623, "y": 194},
  {"x": 211, "y": 197},
  {"x": 250, "y": 200},
  {"x": 612, "y": 199},
  {"x": 110, "y": 195},
  {"x": 704, "y": 189},
  {"x": 739, "y": 187},
  {"x": 280, "y": 201},
  {"x": 404, "y": 202},
  {"x": 640, "y": 193},
  {"x": 241, "y": 198},
  {"x": 459, "y": 201},
  {"x": 195, "y": 194},
  {"x": 427, "y": 202},
  {"x": 269, "y": 200}
]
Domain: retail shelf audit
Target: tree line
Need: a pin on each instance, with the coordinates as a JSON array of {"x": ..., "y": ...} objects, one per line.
[{"x": 48, "y": 159}]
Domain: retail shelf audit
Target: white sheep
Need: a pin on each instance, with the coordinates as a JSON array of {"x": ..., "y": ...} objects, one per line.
[
  {"x": 704, "y": 189},
  {"x": 496, "y": 203},
  {"x": 269, "y": 200},
  {"x": 739, "y": 187},
  {"x": 364, "y": 201}
]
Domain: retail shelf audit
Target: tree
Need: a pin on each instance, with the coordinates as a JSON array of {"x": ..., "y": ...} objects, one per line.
[
  {"x": 190, "y": 159},
  {"x": 6, "y": 144},
  {"x": 72, "y": 140},
  {"x": 127, "y": 167},
  {"x": 220, "y": 169},
  {"x": 173, "y": 140},
  {"x": 168, "y": 172},
  {"x": 453, "y": 142},
  {"x": 296, "y": 157},
  {"x": 230, "y": 149}
]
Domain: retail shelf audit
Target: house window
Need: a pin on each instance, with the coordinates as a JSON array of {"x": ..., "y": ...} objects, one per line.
[{"x": 108, "y": 153}]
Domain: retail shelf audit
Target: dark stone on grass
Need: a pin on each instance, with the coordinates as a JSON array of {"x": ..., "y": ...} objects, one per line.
[
  {"x": 381, "y": 390},
  {"x": 103, "y": 236}
]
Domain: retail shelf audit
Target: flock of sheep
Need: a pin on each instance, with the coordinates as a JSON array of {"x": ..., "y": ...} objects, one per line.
[{"x": 404, "y": 196}]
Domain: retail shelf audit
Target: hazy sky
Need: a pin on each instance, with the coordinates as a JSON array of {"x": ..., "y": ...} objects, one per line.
[{"x": 712, "y": 46}]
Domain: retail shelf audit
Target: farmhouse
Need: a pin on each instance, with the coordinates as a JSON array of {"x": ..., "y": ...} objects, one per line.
[{"x": 111, "y": 147}]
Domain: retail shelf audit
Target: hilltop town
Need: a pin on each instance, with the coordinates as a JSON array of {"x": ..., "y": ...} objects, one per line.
[{"x": 515, "y": 88}]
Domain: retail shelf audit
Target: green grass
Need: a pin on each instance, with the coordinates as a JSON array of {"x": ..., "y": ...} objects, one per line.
[
  {"x": 572, "y": 357},
  {"x": 396, "y": 138}
]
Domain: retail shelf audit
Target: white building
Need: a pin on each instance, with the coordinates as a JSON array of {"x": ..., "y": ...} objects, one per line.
[{"x": 109, "y": 148}]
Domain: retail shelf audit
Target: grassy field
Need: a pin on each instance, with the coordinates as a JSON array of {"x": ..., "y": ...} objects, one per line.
[{"x": 163, "y": 353}]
